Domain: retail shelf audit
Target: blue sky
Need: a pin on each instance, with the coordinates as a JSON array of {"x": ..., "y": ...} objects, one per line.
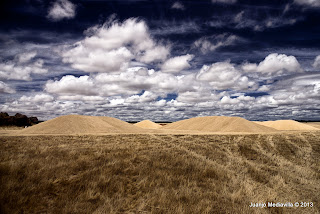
[{"x": 161, "y": 60}]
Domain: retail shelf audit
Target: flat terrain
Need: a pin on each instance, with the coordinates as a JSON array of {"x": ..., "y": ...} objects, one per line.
[{"x": 159, "y": 173}]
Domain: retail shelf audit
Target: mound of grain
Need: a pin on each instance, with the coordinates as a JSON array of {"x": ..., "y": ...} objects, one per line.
[
  {"x": 79, "y": 124},
  {"x": 147, "y": 124},
  {"x": 218, "y": 124},
  {"x": 287, "y": 125},
  {"x": 313, "y": 124}
]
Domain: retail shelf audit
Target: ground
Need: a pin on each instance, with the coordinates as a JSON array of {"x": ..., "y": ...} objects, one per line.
[{"x": 159, "y": 173}]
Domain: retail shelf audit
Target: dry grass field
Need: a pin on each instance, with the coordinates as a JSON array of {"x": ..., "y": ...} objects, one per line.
[{"x": 159, "y": 173}]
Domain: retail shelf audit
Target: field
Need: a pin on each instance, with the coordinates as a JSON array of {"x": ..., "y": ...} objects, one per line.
[{"x": 159, "y": 173}]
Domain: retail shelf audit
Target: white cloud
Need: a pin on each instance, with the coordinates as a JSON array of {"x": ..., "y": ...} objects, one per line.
[
  {"x": 133, "y": 81},
  {"x": 98, "y": 60},
  {"x": 177, "y": 64},
  {"x": 228, "y": 100},
  {"x": 138, "y": 90},
  {"x": 298, "y": 95},
  {"x": 275, "y": 64},
  {"x": 157, "y": 53},
  {"x": 62, "y": 9},
  {"x": 300, "y": 92},
  {"x": 309, "y": 3},
  {"x": 316, "y": 63},
  {"x": 116, "y": 102},
  {"x": 245, "y": 98},
  {"x": 224, "y": 1},
  {"x": 70, "y": 85},
  {"x": 197, "y": 96},
  {"x": 84, "y": 98},
  {"x": 223, "y": 75},
  {"x": 127, "y": 83},
  {"x": 38, "y": 98},
  {"x": 26, "y": 57},
  {"x": 264, "y": 88},
  {"x": 21, "y": 67},
  {"x": 112, "y": 46},
  {"x": 178, "y": 5},
  {"x": 249, "y": 67},
  {"x": 206, "y": 44},
  {"x": 4, "y": 88},
  {"x": 146, "y": 97}
]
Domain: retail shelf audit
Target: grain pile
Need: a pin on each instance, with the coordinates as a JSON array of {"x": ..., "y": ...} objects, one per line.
[
  {"x": 287, "y": 125},
  {"x": 313, "y": 124},
  {"x": 147, "y": 124},
  {"x": 79, "y": 124},
  {"x": 219, "y": 124}
]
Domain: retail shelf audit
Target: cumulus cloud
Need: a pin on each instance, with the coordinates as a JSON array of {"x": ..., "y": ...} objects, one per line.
[
  {"x": 84, "y": 98},
  {"x": 223, "y": 75},
  {"x": 224, "y": 1},
  {"x": 275, "y": 64},
  {"x": 177, "y": 64},
  {"x": 157, "y": 53},
  {"x": 316, "y": 63},
  {"x": 112, "y": 46},
  {"x": 98, "y": 60},
  {"x": 286, "y": 97},
  {"x": 178, "y": 5},
  {"x": 127, "y": 83},
  {"x": 69, "y": 85},
  {"x": 264, "y": 88},
  {"x": 228, "y": 100},
  {"x": 131, "y": 83},
  {"x": 197, "y": 96},
  {"x": 21, "y": 67},
  {"x": 4, "y": 88},
  {"x": 26, "y": 57},
  {"x": 301, "y": 91},
  {"x": 220, "y": 88},
  {"x": 308, "y": 3},
  {"x": 206, "y": 44},
  {"x": 147, "y": 96},
  {"x": 62, "y": 9}
]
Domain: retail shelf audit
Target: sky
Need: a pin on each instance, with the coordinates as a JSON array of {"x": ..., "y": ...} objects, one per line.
[{"x": 161, "y": 60}]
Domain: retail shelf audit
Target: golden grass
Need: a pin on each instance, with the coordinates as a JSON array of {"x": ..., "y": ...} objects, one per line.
[
  {"x": 149, "y": 173},
  {"x": 11, "y": 128}
]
